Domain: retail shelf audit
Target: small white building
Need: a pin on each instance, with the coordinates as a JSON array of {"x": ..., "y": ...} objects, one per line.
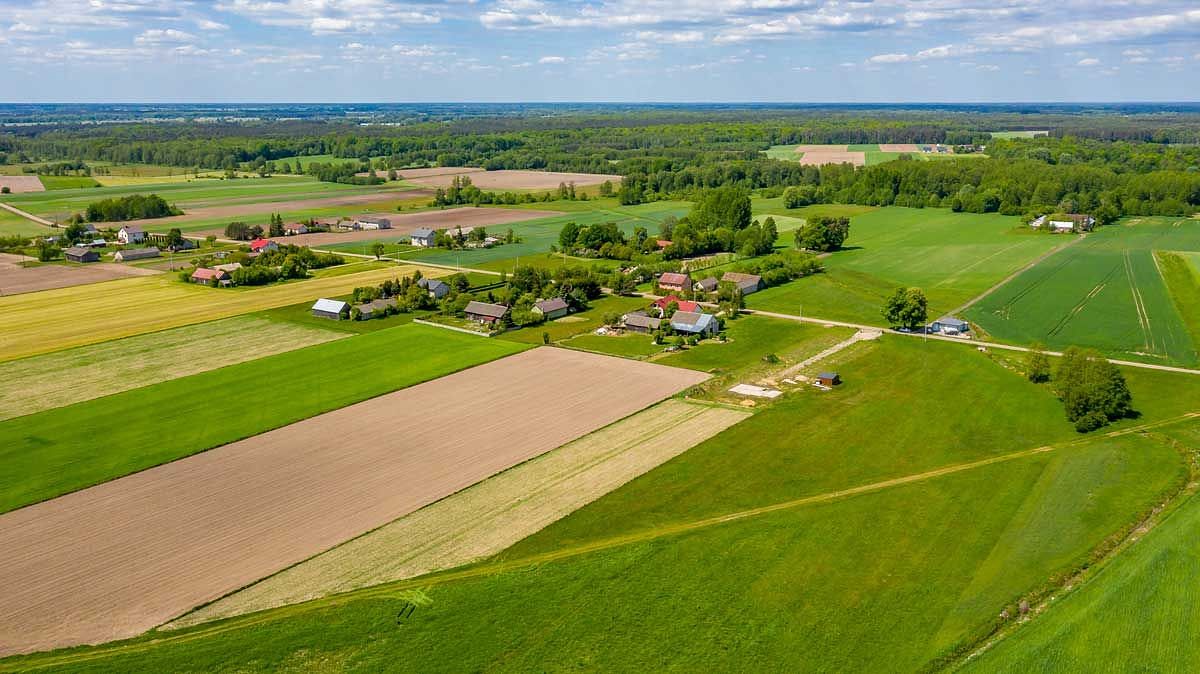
[
  {"x": 131, "y": 234},
  {"x": 423, "y": 237},
  {"x": 372, "y": 223}
]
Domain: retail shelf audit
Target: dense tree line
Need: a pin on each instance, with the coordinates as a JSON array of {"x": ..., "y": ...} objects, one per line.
[{"x": 131, "y": 207}]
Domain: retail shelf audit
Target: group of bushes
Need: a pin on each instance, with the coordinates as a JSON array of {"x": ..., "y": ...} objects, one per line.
[{"x": 1093, "y": 391}]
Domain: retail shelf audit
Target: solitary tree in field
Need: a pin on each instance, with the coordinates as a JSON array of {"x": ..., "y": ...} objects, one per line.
[
  {"x": 907, "y": 308},
  {"x": 377, "y": 249},
  {"x": 1092, "y": 389}
]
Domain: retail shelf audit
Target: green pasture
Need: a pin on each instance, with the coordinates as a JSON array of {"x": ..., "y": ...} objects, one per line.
[
  {"x": 774, "y": 206},
  {"x": 1106, "y": 291},
  {"x": 12, "y": 224},
  {"x": 51, "y": 453},
  {"x": 913, "y": 570},
  {"x": 68, "y": 182},
  {"x": 953, "y": 257},
  {"x": 630, "y": 345},
  {"x": 1138, "y": 613}
]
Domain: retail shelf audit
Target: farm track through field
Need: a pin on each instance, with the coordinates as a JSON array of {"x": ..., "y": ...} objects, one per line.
[
  {"x": 1082, "y": 303},
  {"x": 1038, "y": 260},
  {"x": 490, "y": 569},
  {"x": 1139, "y": 306}
]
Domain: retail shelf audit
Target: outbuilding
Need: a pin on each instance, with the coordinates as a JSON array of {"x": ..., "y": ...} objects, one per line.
[
  {"x": 485, "y": 313},
  {"x": 552, "y": 308},
  {"x": 638, "y": 321},
  {"x": 681, "y": 304},
  {"x": 747, "y": 283},
  {"x": 206, "y": 276},
  {"x": 375, "y": 309},
  {"x": 135, "y": 254},
  {"x": 828, "y": 379},
  {"x": 949, "y": 325},
  {"x": 336, "y": 310},
  {"x": 423, "y": 237},
  {"x": 80, "y": 254},
  {"x": 707, "y": 285},
  {"x": 372, "y": 223},
  {"x": 295, "y": 228},
  {"x": 694, "y": 323}
]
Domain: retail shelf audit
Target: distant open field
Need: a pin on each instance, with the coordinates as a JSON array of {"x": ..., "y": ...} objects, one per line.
[
  {"x": 814, "y": 158},
  {"x": 951, "y": 256},
  {"x": 404, "y": 223},
  {"x": 54, "y": 380},
  {"x": 790, "y": 538},
  {"x": 515, "y": 180},
  {"x": 102, "y": 311},
  {"x": 490, "y": 516},
  {"x": 20, "y": 274},
  {"x": 1107, "y": 291},
  {"x": 155, "y": 544},
  {"x": 1018, "y": 134},
  {"x": 21, "y": 184},
  {"x": 68, "y": 182}
]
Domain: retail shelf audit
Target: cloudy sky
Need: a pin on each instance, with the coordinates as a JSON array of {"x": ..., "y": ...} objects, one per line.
[{"x": 599, "y": 50}]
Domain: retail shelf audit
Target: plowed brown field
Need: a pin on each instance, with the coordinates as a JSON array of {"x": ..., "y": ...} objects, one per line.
[
  {"x": 16, "y": 278},
  {"x": 405, "y": 224},
  {"x": 18, "y": 184},
  {"x": 119, "y": 558},
  {"x": 898, "y": 147}
]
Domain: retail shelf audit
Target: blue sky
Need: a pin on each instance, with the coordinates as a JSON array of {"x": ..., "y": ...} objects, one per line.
[{"x": 598, "y": 50}]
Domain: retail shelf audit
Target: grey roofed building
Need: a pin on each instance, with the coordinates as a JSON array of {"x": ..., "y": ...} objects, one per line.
[
  {"x": 422, "y": 236},
  {"x": 484, "y": 312},
  {"x": 135, "y": 254},
  {"x": 708, "y": 285},
  {"x": 694, "y": 322},
  {"x": 747, "y": 283},
  {"x": 327, "y": 308},
  {"x": 78, "y": 254},
  {"x": 552, "y": 308},
  {"x": 950, "y": 325},
  {"x": 639, "y": 321},
  {"x": 437, "y": 289}
]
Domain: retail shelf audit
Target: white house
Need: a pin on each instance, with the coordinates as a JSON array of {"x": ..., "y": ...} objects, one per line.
[
  {"x": 131, "y": 234},
  {"x": 423, "y": 237}
]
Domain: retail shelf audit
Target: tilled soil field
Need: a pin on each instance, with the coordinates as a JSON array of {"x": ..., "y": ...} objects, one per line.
[
  {"x": 898, "y": 147},
  {"x": 492, "y": 515},
  {"x": 824, "y": 157},
  {"x": 15, "y": 278},
  {"x": 117, "y": 559},
  {"x": 19, "y": 184}
]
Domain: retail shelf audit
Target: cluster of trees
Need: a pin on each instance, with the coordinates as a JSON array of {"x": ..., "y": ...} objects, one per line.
[
  {"x": 822, "y": 233},
  {"x": 906, "y": 308},
  {"x": 604, "y": 240},
  {"x": 62, "y": 168},
  {"x": 720, "y": 221},
  {"x": 342, "y": 172},
  {"x": 1093, "y": 391},
  {"x": 131, "y": 207},
  {"x": 241, "y": 231},
  {"x": 409, "y": 296}
]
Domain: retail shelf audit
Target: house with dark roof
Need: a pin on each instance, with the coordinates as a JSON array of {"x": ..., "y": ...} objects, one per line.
[
  {"x": 675, "y": 281},
  {"x": 485, "y": 312},
  {"x": 80, "y": 254},
  {"x": 747, "y": 283},
  {"x": 638, "y": 321},
  {"x": 694, "y": 323},
  {"x": 135, "y": 254},
  {"x": 551, "y": 309},
  {"x": 706, "y": 285},
  {"x": 423, "y": 237},
  {"x": 332, "y": 309},
  {"x": 437, "y": 289}
]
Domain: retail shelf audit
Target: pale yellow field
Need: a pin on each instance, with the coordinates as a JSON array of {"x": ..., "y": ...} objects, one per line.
[
  {"x": 51, "y": 320},
  {"x": 54, "y": 380},
  {"x": 490, "y": 516}
]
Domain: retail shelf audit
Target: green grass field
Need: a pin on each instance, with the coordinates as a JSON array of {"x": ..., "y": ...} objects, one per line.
[
  {"x": 50, "y": 453},
  {"x": 68, "y": 182},
  {"x": 1106, "y": 291},
  {"x": 1018, "y": 134},
  {"x": 12, "y": 224},
  {"x": 774, "y": 206},
  {"x": 1138, "y": 613},
  {"x": 953, "y": 257},
  {"x": 657, "y": 576}
]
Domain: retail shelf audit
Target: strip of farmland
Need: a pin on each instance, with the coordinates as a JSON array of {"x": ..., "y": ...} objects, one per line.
[
  {"x": 117, "y": 559},
  {"x": 403, "y": 225},
  {"x": 492, "y": 515}
]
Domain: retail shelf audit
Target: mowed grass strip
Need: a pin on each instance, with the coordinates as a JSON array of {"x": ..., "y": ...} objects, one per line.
[
  {"x": 83, "y": 373},
  {"x": 57, "y": 319},
  {"x": 50, "y": 453}
]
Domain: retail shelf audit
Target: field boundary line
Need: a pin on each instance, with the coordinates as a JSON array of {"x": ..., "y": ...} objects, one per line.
[
  {"x": 26, "y": 215},
  {"x": 494, "y": 568},
  {"x": 978, "y": 298}
]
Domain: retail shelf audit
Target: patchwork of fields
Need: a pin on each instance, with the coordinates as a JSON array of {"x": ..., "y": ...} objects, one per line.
[
  {"x": 953, "y": 257},
  {"x": 1107, "y": 291}
]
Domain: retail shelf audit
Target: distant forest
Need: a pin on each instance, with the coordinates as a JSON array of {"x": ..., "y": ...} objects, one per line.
[{"x": 1139, "y": 162}]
